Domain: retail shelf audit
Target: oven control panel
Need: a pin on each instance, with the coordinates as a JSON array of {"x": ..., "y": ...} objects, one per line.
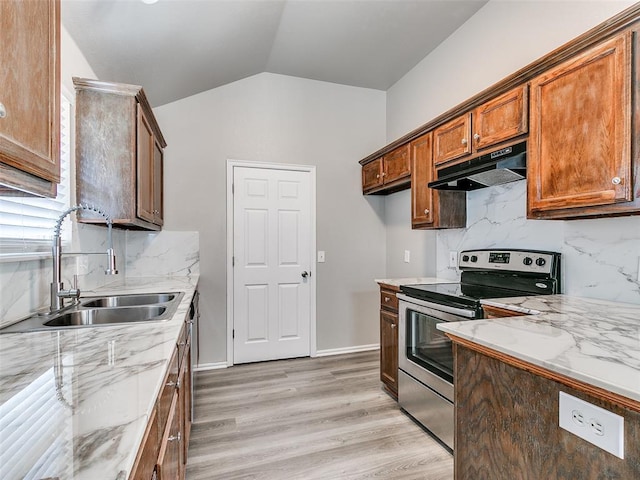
[{"x": 512, "y": 260}]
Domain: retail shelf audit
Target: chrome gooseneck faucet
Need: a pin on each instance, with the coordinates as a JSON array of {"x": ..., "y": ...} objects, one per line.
[{"x": 58, "y": 294}]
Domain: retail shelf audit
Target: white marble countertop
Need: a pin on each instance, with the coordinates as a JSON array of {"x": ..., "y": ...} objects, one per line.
[
  {"x": 398, "y": 282},
  {"x": 594, "y": 341},
  {"x": 86, "y": 394}
]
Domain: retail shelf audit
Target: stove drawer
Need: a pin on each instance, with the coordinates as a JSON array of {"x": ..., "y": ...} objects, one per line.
[
  {"x": 434, "y": 412},
  {"x": 388, "y": 300}
]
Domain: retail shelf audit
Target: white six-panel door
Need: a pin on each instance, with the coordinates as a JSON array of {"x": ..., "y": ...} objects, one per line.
[{"x": 271, "y": 264}]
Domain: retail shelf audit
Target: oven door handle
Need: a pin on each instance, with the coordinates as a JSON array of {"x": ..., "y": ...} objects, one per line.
[{"x": 461, "y": 312}]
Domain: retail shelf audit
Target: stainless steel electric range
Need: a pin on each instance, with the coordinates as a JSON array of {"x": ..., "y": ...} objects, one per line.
[{"x": 425, "y": 354}]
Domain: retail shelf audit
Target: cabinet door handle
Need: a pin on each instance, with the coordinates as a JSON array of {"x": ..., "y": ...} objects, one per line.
[
  {"x": 173, "y": 438},
  {"x": 386, "y": 299},
  {"x": 426, "y": 211},
  {"x": 378, "y": 176},
  {"x": 464, "y": 141},
  {"x": 3, "y": 111},
  {"x": 174, "y": 384},
  {"x": 616, "y": 180},
  {"x": 476, "y": 137},
  {"x": 393, "y": 325}
]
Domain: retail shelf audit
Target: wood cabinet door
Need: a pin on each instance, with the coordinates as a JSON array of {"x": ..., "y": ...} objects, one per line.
[
  {"x": 30, "y": 87},
  {"x": 452, "y": 140},
  {"x": 580, "y": 146},
  {"x": 148, "y": 455},
  {"x": 170, "y": 456},
  {"x": 422, "y": 170},
  {"x": 158, "y": 179},
  {"x": 372, "y": 175},
  {"x": 397, "y": 164},
  {"x": 185, "y": 394},
  {"x": 500, "y": 119},
  {"x": 389, "y": 349},
  {"x": 145, "y": 161}
]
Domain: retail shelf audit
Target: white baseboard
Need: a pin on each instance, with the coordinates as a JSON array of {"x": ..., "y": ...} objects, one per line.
[
  {"x": 209, "y": 366},
  {"x": 340, "y": 351}
]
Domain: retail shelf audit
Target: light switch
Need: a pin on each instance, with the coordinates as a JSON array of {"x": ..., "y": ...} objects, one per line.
[
  {"x": 453, "y": 259},
  {"x": 407, "y": 256},
  {"x": 320, "y": 256}
]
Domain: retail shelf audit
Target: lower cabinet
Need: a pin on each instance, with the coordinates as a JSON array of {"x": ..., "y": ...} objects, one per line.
[
  {"x": 389, "y": 339},
  {"x": 507, "y": 425},
  {"x": 163, "y": 453},
  {"x": 169, "y": 465}
]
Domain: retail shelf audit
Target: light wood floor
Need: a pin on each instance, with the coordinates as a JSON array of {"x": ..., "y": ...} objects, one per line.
[{"x": 307, "y": 419}]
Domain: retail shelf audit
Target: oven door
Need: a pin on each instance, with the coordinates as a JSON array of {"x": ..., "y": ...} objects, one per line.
[{"x": 424, "y": 352}]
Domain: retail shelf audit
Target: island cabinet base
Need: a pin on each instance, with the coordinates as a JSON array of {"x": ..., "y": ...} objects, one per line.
[{"x": 507, "y": 427}]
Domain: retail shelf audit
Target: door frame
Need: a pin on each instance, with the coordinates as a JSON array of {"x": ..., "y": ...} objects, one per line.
[{"x": 311, "y": 169}]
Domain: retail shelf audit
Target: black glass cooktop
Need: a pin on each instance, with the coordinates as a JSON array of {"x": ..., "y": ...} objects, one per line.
[{"x": 457, "y": 294}]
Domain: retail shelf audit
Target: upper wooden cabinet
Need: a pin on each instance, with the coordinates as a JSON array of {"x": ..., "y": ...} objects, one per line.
[
  {"x": 501, "y": 119},
  {"x": 493, "y": 122},
  {"x": 372, "y": 175},
  {"x": 30, "y": 96},
  {"x": 388, "y": 174},
  {"x": 452, "y": 140},
  {"x": 119, "y": 154},
  {"x": 432, "y": 208},
  {"x": 580, "y": 144}
]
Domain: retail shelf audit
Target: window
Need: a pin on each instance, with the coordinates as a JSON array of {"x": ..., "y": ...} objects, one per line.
[{"x": 26, "y": 223}]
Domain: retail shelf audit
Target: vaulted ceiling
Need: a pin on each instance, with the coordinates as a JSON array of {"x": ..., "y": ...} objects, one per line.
[{"x": 177, "y": 48}]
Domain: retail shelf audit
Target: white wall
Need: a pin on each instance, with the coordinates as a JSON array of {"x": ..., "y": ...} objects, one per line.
[
  {"x": 421, "y": 244},
  {"x": 600, "y": 255},
  {"x": 280, "y": 119}
]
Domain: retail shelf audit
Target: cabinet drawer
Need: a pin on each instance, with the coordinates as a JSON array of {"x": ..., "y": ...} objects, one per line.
[{"x": 388, "y": 300}]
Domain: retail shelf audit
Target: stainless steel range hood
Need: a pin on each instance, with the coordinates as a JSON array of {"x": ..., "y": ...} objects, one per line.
[{"x": 502, "y": 166}]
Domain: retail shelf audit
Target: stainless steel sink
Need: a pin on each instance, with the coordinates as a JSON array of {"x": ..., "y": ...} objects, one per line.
[
  {"x": 128, "y": 300},
  {"x": 101, "y": 316},
  {"x": 102, "y": 311}
]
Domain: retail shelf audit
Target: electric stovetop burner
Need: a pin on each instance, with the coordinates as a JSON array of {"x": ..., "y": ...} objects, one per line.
[
  {"x": 461, "y": 294},
  {"x": 499, "y": 273}
]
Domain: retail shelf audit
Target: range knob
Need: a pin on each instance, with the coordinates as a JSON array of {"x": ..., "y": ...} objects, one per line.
[
  {"x": 465, "y": 258},
  {"x": 527, "y": 261},
  {"x": 474, "y": 258},
  {"x": 540, "y": 261}
]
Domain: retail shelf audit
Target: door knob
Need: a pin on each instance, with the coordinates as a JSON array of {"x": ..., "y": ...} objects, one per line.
[
  {"x": 3, "y": 111},
  {"x": 305, "y": 274}
]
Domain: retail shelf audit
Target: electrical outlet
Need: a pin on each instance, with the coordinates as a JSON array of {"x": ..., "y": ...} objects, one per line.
[
  {"x": 453, "y": 259},
  {"x": 598, "y": 426},
  {"x": 407, "y": 256}
]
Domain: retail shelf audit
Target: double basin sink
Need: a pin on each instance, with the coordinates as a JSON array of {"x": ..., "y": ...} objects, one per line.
[{"x": 104, "y": 310}]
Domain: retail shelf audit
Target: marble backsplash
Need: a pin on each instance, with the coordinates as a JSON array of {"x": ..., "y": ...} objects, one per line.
[
  {"x": 162, "y": 253},
  {"x": 599, "y": 256},
  {"x": 24, "y": 285}
]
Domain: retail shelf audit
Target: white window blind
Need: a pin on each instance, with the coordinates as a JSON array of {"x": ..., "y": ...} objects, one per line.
[{"x": 26, "y": 223}]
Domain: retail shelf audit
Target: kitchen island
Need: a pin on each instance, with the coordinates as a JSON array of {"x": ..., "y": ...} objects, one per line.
[
  {"x": 508, "y": 375},
  {"x": 75, "y": 403}
]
